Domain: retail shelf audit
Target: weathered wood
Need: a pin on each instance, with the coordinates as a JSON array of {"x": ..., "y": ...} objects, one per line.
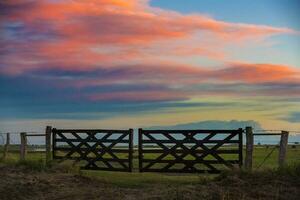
[
  {"x": 94, "y": 147},
  {"x": 92, "y": 131},
  {"x": 176, "y": 145},
  {"x": 265, "y": 134},
  {"x": 282, "y": 148},
  {"x": 23, "y": 147},
  {"x": 241, "y": 147},
  {"x": 197, "y": 151},
  {"x": 249, "y": 148},
  {"x": 6, "y": 147},
  {"x": 188, "y": 141},
  {"x": 91, "y": 140},
  {"x": 48, "y": 143},
  {"x": 219, "y": 131},
  {"x": 130, "y": 156},
  {"x": 140, "y": 149},
  {"x": 54, "y": 138},
  {"x": 35, "y": 135}
]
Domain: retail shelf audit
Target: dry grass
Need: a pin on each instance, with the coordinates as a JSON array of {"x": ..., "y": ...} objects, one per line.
[{"x": 25, "y": 182}]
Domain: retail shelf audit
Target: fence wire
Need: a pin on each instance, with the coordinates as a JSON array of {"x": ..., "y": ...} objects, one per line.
[{"x": 267, "y": 157}]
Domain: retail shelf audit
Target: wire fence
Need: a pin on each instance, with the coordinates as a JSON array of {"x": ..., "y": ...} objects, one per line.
[
  {"x": 265, "y": 152},
  {"x": 35, "y": 143}
]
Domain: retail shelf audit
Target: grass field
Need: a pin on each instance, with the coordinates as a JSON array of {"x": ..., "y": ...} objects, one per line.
[
  {"x": 138, "y": 179},
  {"x": 33, "y": 180}
]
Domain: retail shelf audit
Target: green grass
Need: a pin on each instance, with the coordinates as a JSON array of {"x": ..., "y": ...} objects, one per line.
[
  {"x": 260, "y": 152},
  {"x": 136, "y": 179},
  {"x": 35, "y": 161}
]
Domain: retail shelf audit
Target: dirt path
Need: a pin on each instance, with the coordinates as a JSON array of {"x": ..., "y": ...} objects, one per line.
[{"x": 16, "y": 183}]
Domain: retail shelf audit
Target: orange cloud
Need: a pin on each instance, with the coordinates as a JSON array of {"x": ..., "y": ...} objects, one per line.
[
  {"x": 67, "y": 32},
  {"x": 130, "y": 36},
  {"x": 255, "y": 73},
  {"x": 187, "y": 77}
]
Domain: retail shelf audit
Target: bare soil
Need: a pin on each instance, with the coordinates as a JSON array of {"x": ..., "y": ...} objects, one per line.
[{"x": 17, "y": 183}]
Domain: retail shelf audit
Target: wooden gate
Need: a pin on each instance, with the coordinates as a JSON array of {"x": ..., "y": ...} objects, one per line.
[
  {"x": 109, "y": 150},
  {"x": 188, "y": 151}
]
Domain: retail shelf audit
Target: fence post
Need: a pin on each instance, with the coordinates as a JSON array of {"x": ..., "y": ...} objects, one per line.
[
  {"x": 240, "y": 147},
  {"x": 282, "y": 148},
  {"x": 140, "y": 146},
  {"x": 249, "y": 148},
  {"x": 48, "y": 143},
  {"x": 23, "y": 146},
  {"x": 6, "y": 146},
  {"x": 130, "y": 157}
]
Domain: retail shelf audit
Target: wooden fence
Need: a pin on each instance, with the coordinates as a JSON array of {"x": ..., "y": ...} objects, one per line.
[
  {"x": 189, "y": 151},
  {"x": 109, "y": 150},
  {"x": 158, "y": 150},
  {"x": 23, "y": 146},
  {"x": 250, "y": 146}
]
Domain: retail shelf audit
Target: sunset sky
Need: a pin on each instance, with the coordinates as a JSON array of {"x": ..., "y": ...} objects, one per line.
[{"x": 137, "y": 63}]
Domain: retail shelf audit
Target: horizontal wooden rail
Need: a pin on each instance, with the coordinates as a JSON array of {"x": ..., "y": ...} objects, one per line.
[
  {"x": 266, "y": 134},
  {"x": 224, "y": 151},
  {"x": 87, "y": 131},
  {"x": 189, "y": 131},
  {"x": 35, "y": 134},
  {"x": 188, "y": 141},
  {"x": 216, "y": 162},
  {"x": 96, "y": 150},
  {"x": 93, "y": 159},
  {"x": 90, "y": 140},
  {"x": 180, "y": 171}
]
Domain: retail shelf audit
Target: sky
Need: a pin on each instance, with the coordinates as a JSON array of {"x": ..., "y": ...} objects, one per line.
[{"x": 139, "y": 63}]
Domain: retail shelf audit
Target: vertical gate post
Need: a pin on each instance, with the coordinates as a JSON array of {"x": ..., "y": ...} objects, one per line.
[
  {"x": 6, "y": 146},
  {"x": 130, "y": 157},
  {"x": 240, "y": 147},
  {"x": 53, "y": 142},
  {"x": 282, "y": 148},
  {"x": 23, "y": 146},
  {"x": 249, "y": 148},
  {"x": 140, "y": 150},
  {"x": 48, "y": 143}
]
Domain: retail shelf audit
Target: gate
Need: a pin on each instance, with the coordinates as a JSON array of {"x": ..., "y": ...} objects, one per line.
[
  {"x": 109, "y": 150},
  {"x": 188, "y": 151}
]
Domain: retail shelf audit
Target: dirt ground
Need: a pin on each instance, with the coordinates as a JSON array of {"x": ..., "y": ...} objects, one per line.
[{"x": 18, "y": 183}]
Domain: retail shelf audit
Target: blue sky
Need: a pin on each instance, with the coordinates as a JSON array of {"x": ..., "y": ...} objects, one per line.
[
  {"x": 139, "y": 63},
  {"x": 266, "y": 12}
]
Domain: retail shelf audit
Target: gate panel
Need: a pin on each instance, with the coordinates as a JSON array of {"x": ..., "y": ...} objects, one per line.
[
  {"x": 109, "y": 150},
  {"x": 189, "y": 151}
]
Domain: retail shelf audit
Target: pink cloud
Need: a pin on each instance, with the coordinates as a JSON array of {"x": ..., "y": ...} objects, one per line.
[
  {"x": 67, "y": 32},
  {"x": 134, "y": 41},
  {"x": 185, "y": 76},
  {"x": 257, "y": 73}
]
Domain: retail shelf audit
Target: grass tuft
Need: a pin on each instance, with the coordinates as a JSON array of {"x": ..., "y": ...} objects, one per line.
[{"x": 32, "y": 165}]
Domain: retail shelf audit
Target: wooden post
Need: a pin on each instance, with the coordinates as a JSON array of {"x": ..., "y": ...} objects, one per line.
[
  {"x": 6, "y": 146},
  {"x": 140, "y": 150},
  {"x": 240, "y": 147},
  {"x": 282, "y": 148},
  {"x": 48, "y": 143},
  {"x": 23, "y": 146},
  {"x": 249, "y": 148},
  {"x": 130, "y": 157}
]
